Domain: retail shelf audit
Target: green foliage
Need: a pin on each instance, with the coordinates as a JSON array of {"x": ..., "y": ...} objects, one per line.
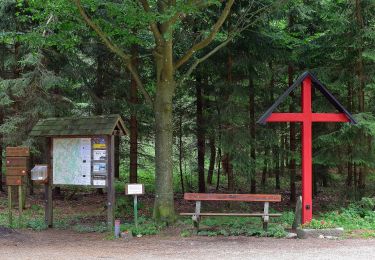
[
  {"x": 145, "y": 227},
  {"x": 358, "y": 215},
  {"x": 124, "y": 205},
  {"x": 185, "y": 233},
  {"x": 239, "y": 226},
  {"x": 286, "y": 219},
  {"x": 37, "y": 224},
  {"x": 318, "y": 224}
]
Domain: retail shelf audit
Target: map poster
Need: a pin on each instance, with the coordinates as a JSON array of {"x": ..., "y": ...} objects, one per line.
[
  {"x": 72, "y": 161},
  {"x": 99, "y": 155}
]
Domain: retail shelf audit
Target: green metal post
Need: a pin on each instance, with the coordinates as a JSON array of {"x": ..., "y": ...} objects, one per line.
[{"x": 136, "y": 211}]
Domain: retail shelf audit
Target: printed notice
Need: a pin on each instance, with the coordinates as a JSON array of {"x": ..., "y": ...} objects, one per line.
[
  {"x": 98, "y": 143},
  {"x": 134, "y": 189},
  {"x": 99, "y": 167},
  {"x": 99, "y": 182},
  {"x": 100, "y": 155}
]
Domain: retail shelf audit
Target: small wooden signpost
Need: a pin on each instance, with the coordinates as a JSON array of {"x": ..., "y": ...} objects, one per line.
[
  {"x": 17, "y": 169},
  {"x": 135, "y": 189}
]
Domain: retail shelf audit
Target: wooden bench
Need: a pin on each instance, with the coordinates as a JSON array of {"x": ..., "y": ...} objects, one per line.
[{"x": 198, "y": 197}]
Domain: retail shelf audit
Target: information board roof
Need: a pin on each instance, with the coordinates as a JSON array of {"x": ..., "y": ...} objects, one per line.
[{"x": 80, "y": 126}]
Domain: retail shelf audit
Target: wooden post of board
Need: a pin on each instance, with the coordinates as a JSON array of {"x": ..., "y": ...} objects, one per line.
[
  {"x": 10, "y": 205},
  {"x": 20, "y": 204},
  {"x": 110, "y": 184},
  {"x": 48, "y": 215}
]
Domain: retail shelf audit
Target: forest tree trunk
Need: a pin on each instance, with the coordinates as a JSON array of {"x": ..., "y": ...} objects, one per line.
[
  {"x": 1, "y": 150},
  {"x": 265, "y": 167},
  {"x": 292, "y": 140},
  {"x": 165, "y": 87},
  {"x": 200, "y": 131},
  {"x": 181, "y": 152},
  {"x": 133, "y": 171},
  {"x": 212, "y": 159},
  {"x": 361, "y": 92},
  {"x": 252, "y": 134},
  {"x": 276, "y": 155}
]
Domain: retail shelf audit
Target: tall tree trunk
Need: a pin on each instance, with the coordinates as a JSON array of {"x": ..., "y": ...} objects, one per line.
[
  {"x": 2, "y": 75},
  {"x": 276, "y": 155},
  {"x": 349, "y": 178},
  {"x": 165, "y": 88},
  {"x": 1, "y": 150},
  {"x": 265, "y": 167},
  {"x": 229, "y": 167},
  {"x": 133, "y": 171},
  {"x": 212, "y": 159},
  {"x": 218, "y": 168},
  {"x": 292, "y": 145},
  {"x": 200, "y": 133},
  {"x": 284, "y": 141},
  {"x": 252, "y": 134},
  {"x": 361, "y": 93},
  {"x": 181, "y": 152},
  {"x": 219, "y": 157}
]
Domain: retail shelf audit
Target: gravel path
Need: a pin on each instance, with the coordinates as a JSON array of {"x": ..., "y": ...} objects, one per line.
[{"x": 56, "y": 244}]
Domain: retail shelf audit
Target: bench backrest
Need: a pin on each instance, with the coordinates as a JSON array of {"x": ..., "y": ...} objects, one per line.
[{"x": 233, "y": 197}]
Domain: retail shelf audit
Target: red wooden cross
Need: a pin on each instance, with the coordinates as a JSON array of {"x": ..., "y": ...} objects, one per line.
[{"x": 306, "y": 118}]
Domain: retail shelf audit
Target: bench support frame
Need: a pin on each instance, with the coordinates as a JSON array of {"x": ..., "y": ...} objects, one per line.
[{"x": 196, "y": 216}]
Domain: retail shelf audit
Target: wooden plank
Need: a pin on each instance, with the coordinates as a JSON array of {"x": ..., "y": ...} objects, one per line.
[
  {"x": 233, "y": 197},
  {"x": 13, "y": 180},
  {"x": 17, "y": 162},
  {"x": 110, "y": 183},
  {"x": 18, "y": 171},
  {"x": 232, "y": 214},
  {"x": 20, "y": 203},
  {"x": 266, "y": 216},
  {"x": 10, "y": 206},
  {"x": 48, "y": 210},
  {"x": 17, "y": 152}
]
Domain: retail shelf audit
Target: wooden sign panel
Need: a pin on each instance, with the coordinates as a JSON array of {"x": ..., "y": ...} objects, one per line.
[
  {"x": 17, "y": 152},
  {"x": 13, "y": 180},
  {"x": 16, "y": 171},
  {"x": 17, "y": 161}
]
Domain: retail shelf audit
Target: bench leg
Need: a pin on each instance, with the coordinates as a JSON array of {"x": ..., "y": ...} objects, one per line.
[
  {"x": 265, "y": 217},
  {"x": 196, "y": 216}
]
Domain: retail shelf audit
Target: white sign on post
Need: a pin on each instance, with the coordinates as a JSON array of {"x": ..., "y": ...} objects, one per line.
[{"x": 134, "y": 189}]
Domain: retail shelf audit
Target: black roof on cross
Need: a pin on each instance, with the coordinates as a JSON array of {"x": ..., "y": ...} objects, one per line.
[{"x": 316, "y": 84}]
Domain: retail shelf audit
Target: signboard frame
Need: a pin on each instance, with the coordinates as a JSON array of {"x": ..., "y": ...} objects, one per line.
[
  {"x": 134, "y": 186},
  {"x": 102, "y": 175}
]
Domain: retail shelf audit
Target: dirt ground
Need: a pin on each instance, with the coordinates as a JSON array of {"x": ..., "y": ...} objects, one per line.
[{"x": 58, "y": 244}]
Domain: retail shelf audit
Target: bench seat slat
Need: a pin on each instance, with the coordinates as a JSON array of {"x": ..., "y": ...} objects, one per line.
[
  {"x": 233, "y": 197},
  {"x": 232, "y": 214}
]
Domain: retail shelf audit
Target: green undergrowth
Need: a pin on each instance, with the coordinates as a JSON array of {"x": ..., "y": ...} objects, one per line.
[
  {"x": 357, "y": 216},
  {"x": 238, "y": 226},
  {"x": 145, "y": 227},
  {"x": 33, "y": 218}
]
